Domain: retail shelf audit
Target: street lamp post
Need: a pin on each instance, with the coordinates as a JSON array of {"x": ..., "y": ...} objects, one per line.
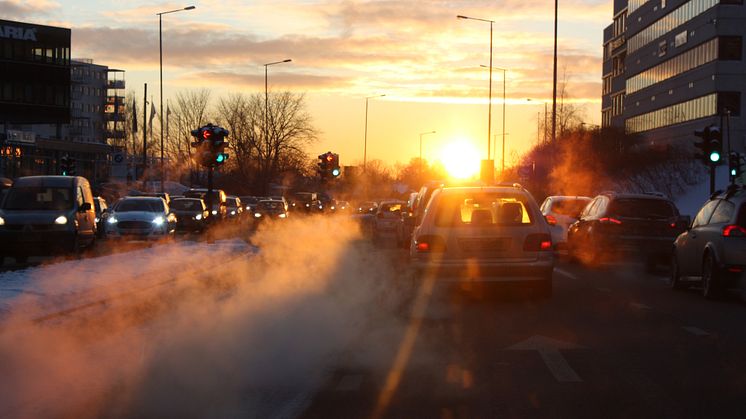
[
  {"x": 266, "y": 96},
  {"x": 160, "y": 54},
  {"x": 502, "y": 170},
  {"x": 554, "y": 80},
  {"x": 365, "y": 140},
  {"x": 489, "y": 112},
  {"x": 421, "y": 134}
]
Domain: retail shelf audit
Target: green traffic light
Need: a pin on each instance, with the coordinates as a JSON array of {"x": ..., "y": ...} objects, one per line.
[
  {"x": 220, "y": 158},
  {"x": 733, "y": 172},
  {"x": 714, "y": 157},
  {"x": 335, "y": 172}
]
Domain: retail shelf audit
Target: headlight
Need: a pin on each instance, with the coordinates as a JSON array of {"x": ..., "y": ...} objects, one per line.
[
  {"x": 2, "y": 221},
  {"x": 60, "y": 220},
  {"x": 308, "y": 205},
  {"x": 248, "y": 207},
  {"x": 198, "y": 217},
  {"x": 97, "y": 220},
  {"x": 112, "y": 220},
  {"x": 283, "y": 215},
  {"x": 333, "y": 208},
  {"x": 159, "y": 220},
  {"x": 257, "y": 215},
  {"x": 214, "y": 212},
  {"x": 233, "y": 212}
]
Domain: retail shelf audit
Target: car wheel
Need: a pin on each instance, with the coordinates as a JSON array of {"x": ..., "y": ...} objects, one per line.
[
  {"x": 709, "y": 277},
  {"x": 675, "y": 280}
]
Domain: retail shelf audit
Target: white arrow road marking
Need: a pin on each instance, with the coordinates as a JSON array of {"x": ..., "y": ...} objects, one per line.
[
  {"x": 696, "y": 331},
  {"x": 565, "y": 273},
  {"x": 549, "y": 350}
]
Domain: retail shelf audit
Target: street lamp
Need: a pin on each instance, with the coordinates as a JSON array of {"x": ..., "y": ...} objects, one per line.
[
  {"x": 502, "y": 170},
  {"x": 489, "y": 113},
  {"x": 545, "y": 119},
  {"x": 554, "y": 80},
  {"x": 365, "y": 141},
  {"x": 266, "y": 96},
  {"x": 421, "y": 134},
  {"x": 160, "y": 53}
]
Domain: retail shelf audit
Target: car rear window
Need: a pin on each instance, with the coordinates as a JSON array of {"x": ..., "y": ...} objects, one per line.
[
  {"x": 642, "y": 208},
  {"x": 569, "y": 207},
  {"x": 482, "y": 209},
  {"x": 128, "y": 205},
  {"x": 391, "y": 207},
  {"x": 38, "y": 198},
  {"x": 270, "y": 205}
]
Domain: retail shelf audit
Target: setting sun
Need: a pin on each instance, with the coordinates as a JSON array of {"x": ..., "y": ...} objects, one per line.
[{"x": 461, "y": 159}]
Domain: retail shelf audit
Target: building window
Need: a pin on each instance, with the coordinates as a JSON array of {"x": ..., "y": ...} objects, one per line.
[
  {"x": 674, "y": 19},
  {"x": 700, "y": 107},
  {"x": 679, "y": 64},
  {"x": 620, "y": 24},
  {"x": 617, "y": 64},
  {"x": 607, "y": 84},
  {"x": 636, "y": 4},
  {"x": 617, "y": 104}
]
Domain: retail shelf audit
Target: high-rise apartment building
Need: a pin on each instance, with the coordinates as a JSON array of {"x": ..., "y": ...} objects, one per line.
[{"x": 673, "y": 66}]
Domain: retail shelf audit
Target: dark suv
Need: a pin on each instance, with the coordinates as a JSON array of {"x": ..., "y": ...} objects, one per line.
[
  {"x": 618, "y": 224},
  {"x": 713, "y": 250}
]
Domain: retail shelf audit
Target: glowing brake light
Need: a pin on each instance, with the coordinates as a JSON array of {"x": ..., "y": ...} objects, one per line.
[
  {"x": 546, "y": 245},
  {"x": 608, "y": 220},
  {"x": 551, "y": 220},
  {"x": 430, "y": 244},
  {"x": 734, "y": 231},
  {"x": 423, "y": 247}
]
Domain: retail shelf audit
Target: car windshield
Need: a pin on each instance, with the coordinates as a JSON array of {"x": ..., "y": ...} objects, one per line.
[
  {"x": 231, "y": 202},
  {"x": 186, "y": 204},
  {"x": 642, "y": 208},
  {"x": 249, "y": 199},
  {"x": 38, "y": 198},
  {"x": 270, "y": 205},
  {"x": 146, "y": 205},
  {"x": 569, "y": 207},
  {"x": 391, "y": 209},
  {"x": 481, "y": 209}
]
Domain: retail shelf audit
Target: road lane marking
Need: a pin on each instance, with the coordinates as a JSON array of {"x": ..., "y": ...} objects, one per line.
[
  {"x": 549, "y": 350},
  {"x": 565, "y": 273},
  {"x": 696, "y": 331},
  {"x": 350, "y": 382}
]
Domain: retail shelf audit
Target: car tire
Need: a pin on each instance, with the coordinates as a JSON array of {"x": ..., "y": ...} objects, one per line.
[
  {"x": 709, "y": 277},
  {"x": 675, "y": 280}
]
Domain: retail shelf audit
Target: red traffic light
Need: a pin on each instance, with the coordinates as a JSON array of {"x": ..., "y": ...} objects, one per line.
[
  {"x": 329, "y": 157},
  {"x": 206, "y": 133}
]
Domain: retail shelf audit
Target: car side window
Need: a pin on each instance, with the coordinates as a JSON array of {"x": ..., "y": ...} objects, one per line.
[
  {"x": 546, "y": 206},
  {"x": 723, "y": 213},
  {"x": 79, "y": 196},
  {"x": 600, "y": 209},
  {"x": 588, "y": 210},
  {"x": 703, "y": 217}
]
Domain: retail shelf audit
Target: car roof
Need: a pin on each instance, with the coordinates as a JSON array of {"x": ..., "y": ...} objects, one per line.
[
  {"x": 52, "y": 181},
  {"x": 626, "y": 195},
  {"x": 569, "y": 197},
  {"x": 488, "y": 189},
  {"x": 186, "y": 199},
  {"x": 142, "y": 198}
]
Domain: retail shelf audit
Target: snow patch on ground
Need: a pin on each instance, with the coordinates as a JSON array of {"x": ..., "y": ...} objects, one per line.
[{"x": 58, "y": 284}]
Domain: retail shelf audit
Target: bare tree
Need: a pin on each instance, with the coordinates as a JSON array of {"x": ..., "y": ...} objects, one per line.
[{"x": 187, "y": 112}]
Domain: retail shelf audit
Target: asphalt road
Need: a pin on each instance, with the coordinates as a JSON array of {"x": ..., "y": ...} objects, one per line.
[{"x": 612, "y": 342}]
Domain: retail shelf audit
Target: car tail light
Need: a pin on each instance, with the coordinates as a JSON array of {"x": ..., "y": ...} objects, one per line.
[
  {"x": 430, "y": 243},
  {"x": 734, "y": 231},
  {"x": 551, "y": 220},
  {"x": 609, "y": 220},
  {"x": 537, "y": 243}
]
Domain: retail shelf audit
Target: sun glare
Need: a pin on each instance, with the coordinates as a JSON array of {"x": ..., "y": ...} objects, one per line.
[{"x": 461, "y": 159}]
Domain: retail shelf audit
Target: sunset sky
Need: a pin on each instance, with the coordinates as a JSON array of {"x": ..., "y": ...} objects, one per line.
[{"x": 417, "y": 53}]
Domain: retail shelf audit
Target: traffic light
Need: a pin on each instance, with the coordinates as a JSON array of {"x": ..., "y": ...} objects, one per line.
[
  {"x": 711, "y": 145},
  {"x": 210, "y": 145},
  {"x": 329, "y": 165},
  {"x": 734, "y": 166},
  {"x": 336, "y": 170},
  {"x": 67, "y": 165}
]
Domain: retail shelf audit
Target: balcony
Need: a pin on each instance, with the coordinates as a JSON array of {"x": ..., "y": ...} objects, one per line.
[{"x": 115, "y": 84}]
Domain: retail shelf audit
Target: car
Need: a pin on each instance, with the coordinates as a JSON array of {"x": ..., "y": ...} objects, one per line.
[
  {"x": 388, "y": 221},
  {"x": 484, "y": 235},
  {"x": 339, "y": 207},
  {"x": 216, "y": 205},
  {"x": 249, "y": 202},
  {"x": 102, "y": 213},
  {"x": 140, "y": 218},
  {"x": 45, "y": 215},
  {"x": 234, "y": 209},
  {"x": 367, "y": 207},
  {"x": 191, "y": 215},
  {"x": 408, "y": 218},
  {"x": 269, "y": 210},
  {"x": 712, "y": 251},
  {"x": 307, "y": 202},
  {"x": 166, "y": 197},
  {"x": 423, "y": 197},
  {"x": 616, "y": 225},
  {"x": 560, "y": 212}
]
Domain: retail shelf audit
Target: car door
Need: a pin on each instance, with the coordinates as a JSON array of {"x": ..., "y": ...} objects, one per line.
[
  {"x": 691, "y": 246},
  {"x": 86, "y": 219}
]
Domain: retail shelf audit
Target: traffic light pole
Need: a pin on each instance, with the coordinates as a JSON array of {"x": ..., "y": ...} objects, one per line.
[
  {"x": 712, "y": 179},
  {"x": 209, "y": 200}
]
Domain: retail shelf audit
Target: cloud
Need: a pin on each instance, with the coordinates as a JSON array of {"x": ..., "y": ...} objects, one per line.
[{"x": 21, "y": 9}]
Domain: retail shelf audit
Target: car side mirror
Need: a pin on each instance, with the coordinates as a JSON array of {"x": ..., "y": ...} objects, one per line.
[{"x": 85, "y": 207}]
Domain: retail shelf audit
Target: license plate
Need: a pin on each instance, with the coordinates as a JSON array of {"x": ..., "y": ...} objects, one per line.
[{"x": 484, "y": 245}]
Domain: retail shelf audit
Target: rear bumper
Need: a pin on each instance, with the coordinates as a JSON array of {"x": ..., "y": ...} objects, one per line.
[
  {"x": 638, "y": 245},
  {"x": 486, "y": 271}
]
